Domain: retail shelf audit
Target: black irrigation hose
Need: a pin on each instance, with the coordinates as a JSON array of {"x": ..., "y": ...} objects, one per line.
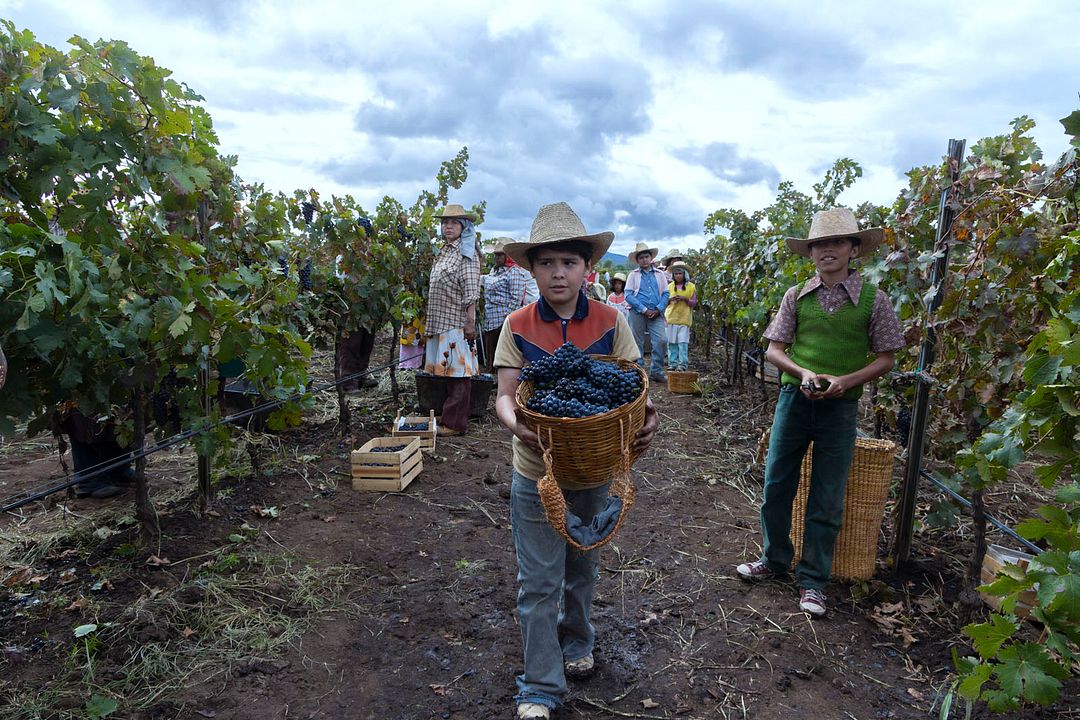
[
  {"x": 993, "y": 520},
  {"x": 100, "y": 469}
]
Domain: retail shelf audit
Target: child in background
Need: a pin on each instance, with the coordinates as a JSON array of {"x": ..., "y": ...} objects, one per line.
[
  {"x": 617, "y": 297},
  {"x": 682, "y": 297}
]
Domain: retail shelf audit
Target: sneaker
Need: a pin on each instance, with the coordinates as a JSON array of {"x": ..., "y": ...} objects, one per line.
[
  {"x": 812, "y": 601},
  {"x": 756, "y": 570},
  {"x": 582, "y": 667},
  {"x": 533, "y": 711}
]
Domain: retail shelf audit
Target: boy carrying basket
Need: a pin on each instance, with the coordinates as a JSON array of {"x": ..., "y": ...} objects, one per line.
[
  {"x": 556, "y": 581},
  {"x": 832, "y": 335}
]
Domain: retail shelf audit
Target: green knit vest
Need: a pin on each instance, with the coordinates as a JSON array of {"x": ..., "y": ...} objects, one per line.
[{"x": 834, "y": 343}]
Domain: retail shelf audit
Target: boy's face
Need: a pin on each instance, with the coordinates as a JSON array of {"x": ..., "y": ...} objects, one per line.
[
  {"x": 832, "y": 255},
  {"x": 559, "y": 275},
  {"x": 644, "y": 260}
]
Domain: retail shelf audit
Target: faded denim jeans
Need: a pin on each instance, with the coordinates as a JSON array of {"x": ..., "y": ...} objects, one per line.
[
  {"x": 830, "y": 424},
  {"x": 555, "y": 593},
  {"x": 640, "y": 326}
]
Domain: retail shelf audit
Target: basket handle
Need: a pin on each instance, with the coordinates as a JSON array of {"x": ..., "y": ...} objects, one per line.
[{"x": 554, "y": 503}]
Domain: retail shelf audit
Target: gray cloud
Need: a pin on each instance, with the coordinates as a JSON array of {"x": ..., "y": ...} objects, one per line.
[
  {"x": 725, "y": 162},
  {"x": 808, "y": 58},
  {"x": 270, "y": 101}
]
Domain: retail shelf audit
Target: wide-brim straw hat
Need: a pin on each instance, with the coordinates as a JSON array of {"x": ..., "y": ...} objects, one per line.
[
  {"x": 640, "y": 248},
  {"x": 673, "y": 253},
  {"x": 679, "y": 265},
  {"x": 497, "y": 245},
  {"x": 554, "y": 224},
  {"x": 619, "y": 276},
  {"x": 456, "y": 212},
  {"x": 838, "y": 222}
]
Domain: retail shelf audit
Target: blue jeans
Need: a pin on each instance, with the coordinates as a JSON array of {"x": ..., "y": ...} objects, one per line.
[
  {"x": 678, "y": 355},
  {"x": 830, "y": 424},
  {"x": 640, "y": 325},
  {"x": 555, "y": 593}
]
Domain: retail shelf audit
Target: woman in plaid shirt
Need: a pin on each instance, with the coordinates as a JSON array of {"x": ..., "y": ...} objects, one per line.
[{"x": 453, "y": 290}]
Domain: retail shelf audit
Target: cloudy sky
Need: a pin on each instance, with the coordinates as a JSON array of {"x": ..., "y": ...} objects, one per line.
[{"x": 645, "y": 116}]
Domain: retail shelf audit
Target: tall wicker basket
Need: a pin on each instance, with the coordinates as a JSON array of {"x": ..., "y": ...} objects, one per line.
[
  {"x": 589, "y": 451},
  {"x": 864, "y": 507}
]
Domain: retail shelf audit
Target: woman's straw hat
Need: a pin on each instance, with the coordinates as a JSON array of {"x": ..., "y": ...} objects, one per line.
[
  {"x": 558, "y": 223},
  {"x": 456, "y": 212},
  {"x": 837, "y": 222},
  {"x": 640, "y": 248},
  {"x": 619, "y": 276}
]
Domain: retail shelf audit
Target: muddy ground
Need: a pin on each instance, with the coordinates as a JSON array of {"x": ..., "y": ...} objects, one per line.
[{"x": 300, "y": 598}]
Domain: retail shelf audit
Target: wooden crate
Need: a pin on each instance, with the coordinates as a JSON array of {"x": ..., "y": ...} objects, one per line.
[
  {"x": 386, "y": 471},
  {"x": 426, "y": 437}
]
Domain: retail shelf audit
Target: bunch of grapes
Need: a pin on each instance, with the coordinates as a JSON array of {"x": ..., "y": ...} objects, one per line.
[
  {"x": 365, "y": 222},
  {"x": 283, "y": 263},
  {"x": 305, "y": 275},
  {"x": 308, "y": 209},
  {"x": 570, "y": 384}
]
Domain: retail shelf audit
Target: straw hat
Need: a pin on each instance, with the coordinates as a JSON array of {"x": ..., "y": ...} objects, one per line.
[
  {"x": 673, "y": 253},
  {"x": 456, "y": 212},
  {"x": 679, "y": 265},
  {"x": 498, "y": 245},
  {"x": 838, "y": 222},
  {"x": 619, "y": 276},
  {"x": 640, "y": 248},
  {"x": 558, "y": 223}
]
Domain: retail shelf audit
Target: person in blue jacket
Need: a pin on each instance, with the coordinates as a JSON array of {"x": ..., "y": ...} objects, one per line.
[{"x": 647, "y": 294}]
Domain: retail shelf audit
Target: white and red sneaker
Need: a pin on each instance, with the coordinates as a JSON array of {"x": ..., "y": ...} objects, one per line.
[
  {"x": 812, "y": 601},
  {"x": 756, "y": 570}
]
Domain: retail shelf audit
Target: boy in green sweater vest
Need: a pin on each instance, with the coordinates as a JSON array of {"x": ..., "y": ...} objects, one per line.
[{"x": 832, "y": 335}]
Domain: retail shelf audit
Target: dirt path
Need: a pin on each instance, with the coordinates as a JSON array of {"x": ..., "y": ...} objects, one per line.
[
  {"x": 403, "y": 605},
  {"x": 678, "y": 634}
]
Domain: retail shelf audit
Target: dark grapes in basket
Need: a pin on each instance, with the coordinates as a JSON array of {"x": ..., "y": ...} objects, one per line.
[
  {"x": 571, "y": 384},
  {"x": 413, "y": 427}
]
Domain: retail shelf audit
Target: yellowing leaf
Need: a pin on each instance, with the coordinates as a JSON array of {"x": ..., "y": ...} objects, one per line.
[{"x": 180, "y": 325}]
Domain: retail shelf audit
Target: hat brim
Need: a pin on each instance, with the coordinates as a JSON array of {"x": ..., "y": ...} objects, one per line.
[
  {"x": 632, "y": 255},
  {"x": 518, "y": 251},
  {"x": 869, "y": 240},
  {"x": 464, "y": 216}
]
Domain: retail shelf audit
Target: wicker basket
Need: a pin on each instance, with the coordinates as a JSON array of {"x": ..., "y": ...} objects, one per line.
[
  {"x": 682, "y": 382},
  {"x": 589, "y": 451},
  {"x": 864, "y": 507},
  {"x": 551, "y": 497}
]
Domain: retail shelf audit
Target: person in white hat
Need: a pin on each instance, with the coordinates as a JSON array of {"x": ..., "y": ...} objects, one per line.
[
  {"x": 831, "y": 335},
  {"x": 450, "y": 326},
  {"x": 556, "y": 582},
  {"x": 647, "y": 294}
]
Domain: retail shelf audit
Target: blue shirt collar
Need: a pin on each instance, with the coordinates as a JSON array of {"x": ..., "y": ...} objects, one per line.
[{"x": 548, "y": 315}]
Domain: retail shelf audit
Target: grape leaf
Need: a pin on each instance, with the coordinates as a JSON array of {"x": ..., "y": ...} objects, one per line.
[
  {"x": 988, "y": 637},
  {"x": 1025, "y": 670}
]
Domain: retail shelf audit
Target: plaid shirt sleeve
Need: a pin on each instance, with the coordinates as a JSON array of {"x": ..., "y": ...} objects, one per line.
[{"x": 782, "y": 327}]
